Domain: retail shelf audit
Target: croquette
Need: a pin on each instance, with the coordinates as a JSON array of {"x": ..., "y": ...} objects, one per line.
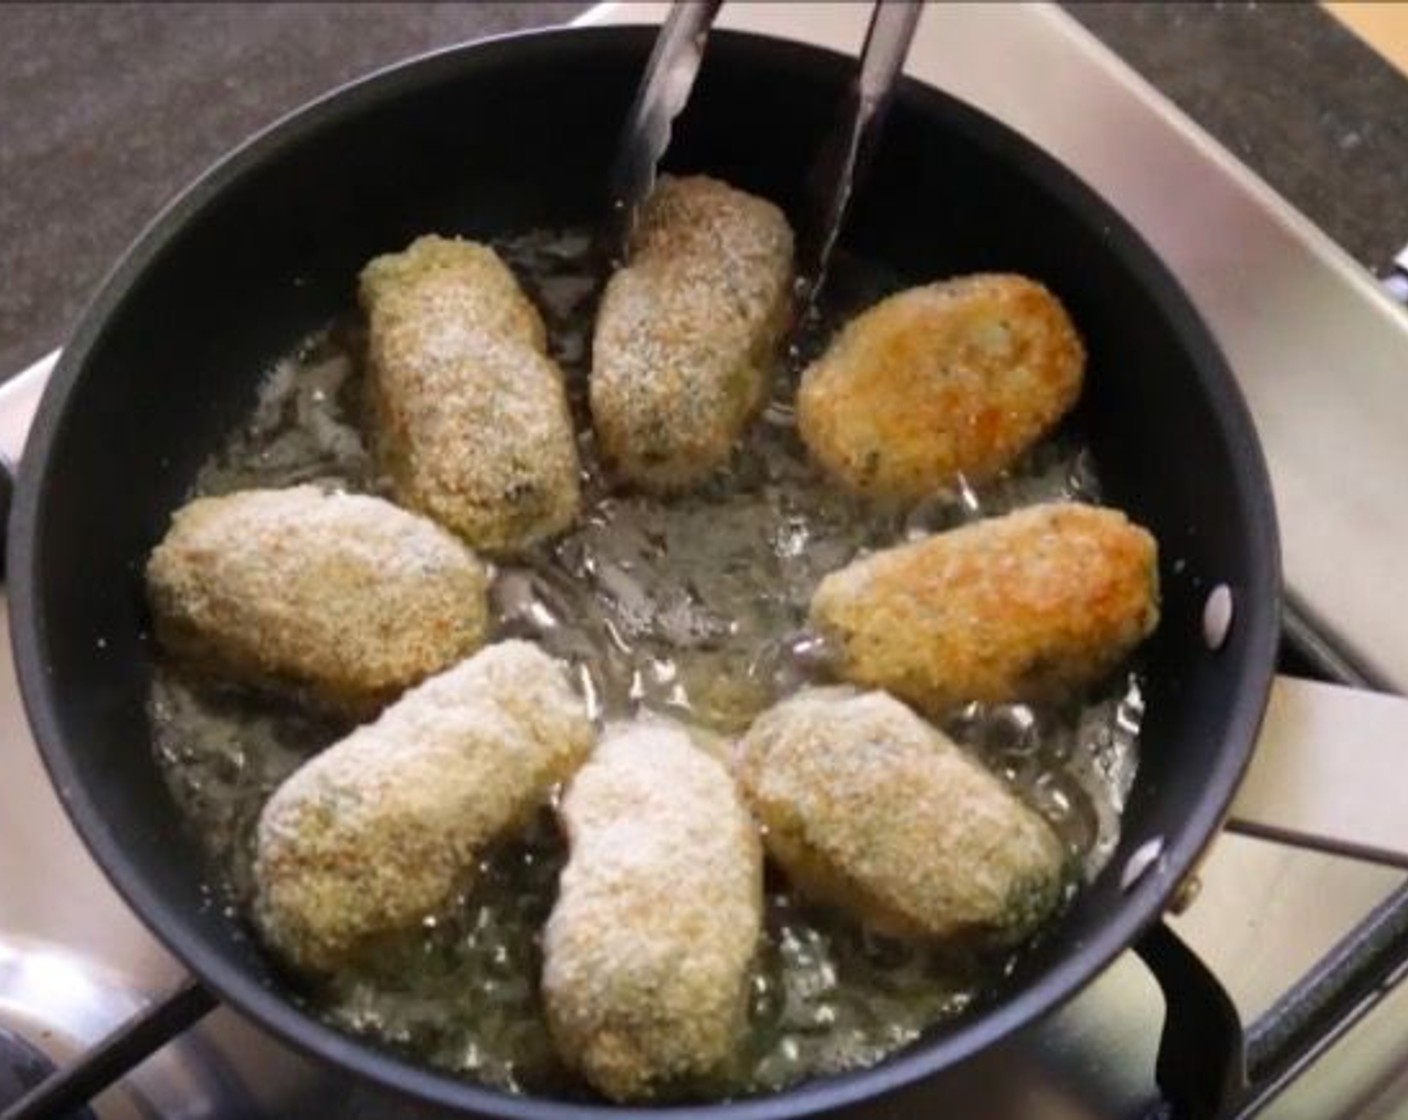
[
  {"x": 647, "y": 952},
  {"x": 686, "y": 333},
  {"x": 958, "y": 377},
  {"x": 383, "y": 829},
  {"x": 343, "y": 599},
  {"x": 469, "y": 414},
  {"x": 1033, "y": 605},
  {"x": 869, "y": 808}
]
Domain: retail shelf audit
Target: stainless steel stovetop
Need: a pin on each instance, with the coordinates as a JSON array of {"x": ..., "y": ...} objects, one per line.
[{"x": 1322, "y": 355}]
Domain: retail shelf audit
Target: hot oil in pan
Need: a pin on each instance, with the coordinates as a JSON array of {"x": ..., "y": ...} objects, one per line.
[{"x": 693, "y": 608}]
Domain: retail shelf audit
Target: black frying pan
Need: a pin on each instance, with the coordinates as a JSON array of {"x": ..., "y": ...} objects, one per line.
[{"x": 515, "y": 133}]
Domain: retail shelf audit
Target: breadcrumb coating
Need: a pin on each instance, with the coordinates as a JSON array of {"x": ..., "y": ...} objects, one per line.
[
  {"x": 384, "y": 828},
  {"x": 647, "y": 952},
  {"x": 868, "y": 807},
  {"x": 686, "y": 333},
  {"x": 469, "y": 413},
  {"x": 342, "y": 598}
]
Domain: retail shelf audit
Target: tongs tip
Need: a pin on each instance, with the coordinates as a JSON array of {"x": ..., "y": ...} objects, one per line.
[{"x": 664, "y": 90}]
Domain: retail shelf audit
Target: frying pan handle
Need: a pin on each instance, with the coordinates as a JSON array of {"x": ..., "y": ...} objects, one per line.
[
  {"x": 1210, "y": 1066},
  {"x": 7, "y": 494},
  {"x": 1201, "y": 1065},
  {"x": 112, "y": 1058}
]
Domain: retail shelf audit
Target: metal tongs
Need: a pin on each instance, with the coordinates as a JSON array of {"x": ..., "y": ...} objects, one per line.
[{"x": 664, "y": 90}]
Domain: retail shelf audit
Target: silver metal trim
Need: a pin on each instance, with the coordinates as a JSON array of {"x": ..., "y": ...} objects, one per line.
[{"x": 1328, "y": 772}]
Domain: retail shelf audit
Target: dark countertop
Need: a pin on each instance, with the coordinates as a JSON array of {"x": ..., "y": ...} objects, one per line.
[
  {"x": 109, "y": 110},
  {"x": 1293, "y": 94}
]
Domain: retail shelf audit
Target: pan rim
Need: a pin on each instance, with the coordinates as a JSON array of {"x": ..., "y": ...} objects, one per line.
[{"x": 1258, "y": 616}]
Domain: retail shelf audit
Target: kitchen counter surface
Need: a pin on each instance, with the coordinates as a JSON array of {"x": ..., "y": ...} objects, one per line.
[
  {"x": 109, "y": 110},
  {"x": 1290, "y": 92}
]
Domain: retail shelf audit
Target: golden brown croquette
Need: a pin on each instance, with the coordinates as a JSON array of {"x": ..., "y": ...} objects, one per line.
[
  {"x": 958, "y": 377},
  {"x": 1028, "y": 606}
]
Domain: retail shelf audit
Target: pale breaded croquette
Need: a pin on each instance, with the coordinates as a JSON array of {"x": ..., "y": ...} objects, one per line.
[
  {"x": 344, "y": 599},
  {"x": 869, "y": 808},
  {"x": 1029, "y": 606},
  {"x": 469, "y": 414},
  {"x": 958, "y": 377},
  {"x": 687, "y": 330},
  {"x": 383, "y": 829},
  {"x": 647, "y": 953}
]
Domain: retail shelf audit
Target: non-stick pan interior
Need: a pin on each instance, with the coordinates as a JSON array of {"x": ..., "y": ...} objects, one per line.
[{"x": 518, "y": 133}]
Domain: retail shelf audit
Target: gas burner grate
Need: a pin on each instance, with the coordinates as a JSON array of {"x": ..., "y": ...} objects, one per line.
[{"x": 22, "y": 1068}]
